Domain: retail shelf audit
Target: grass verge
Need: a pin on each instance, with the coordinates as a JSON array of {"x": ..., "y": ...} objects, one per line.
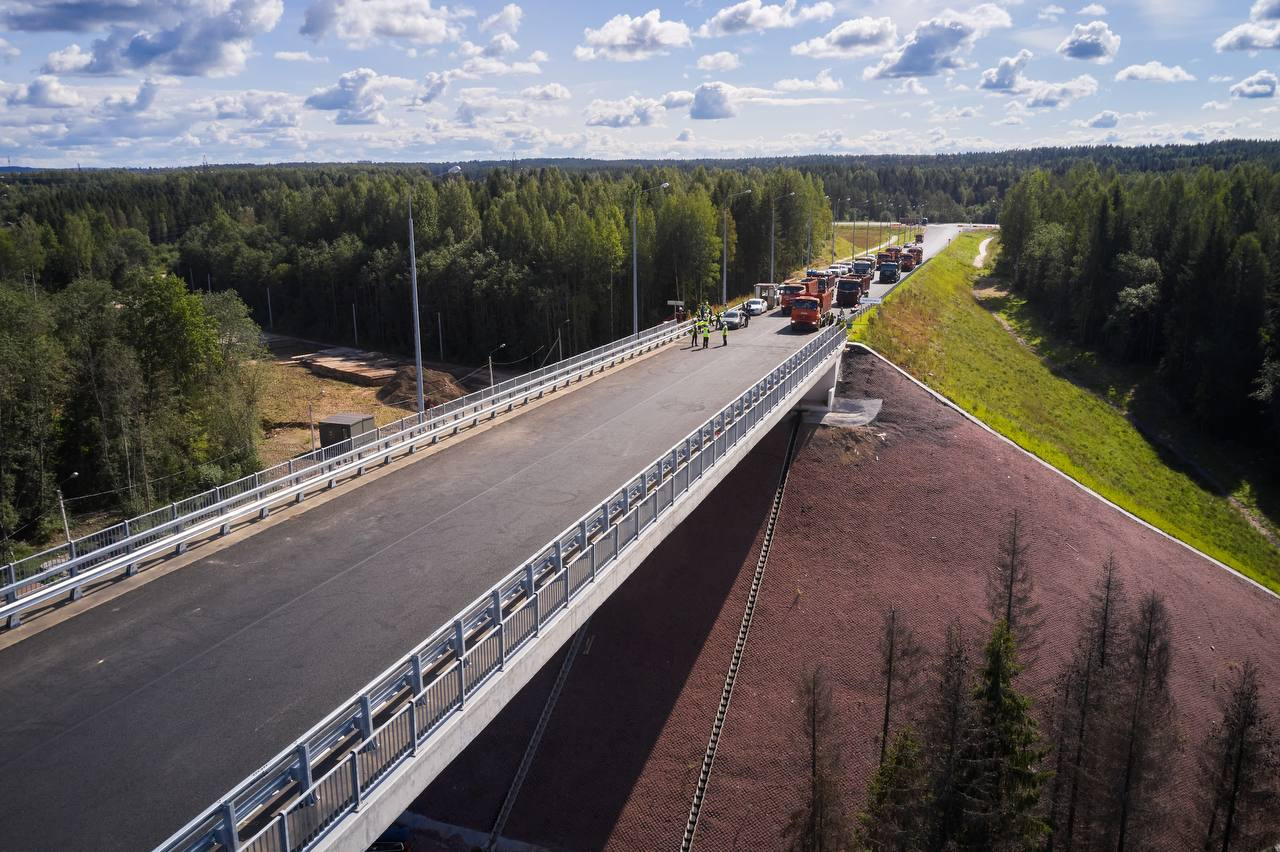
[{"x": 935, "y": 329}]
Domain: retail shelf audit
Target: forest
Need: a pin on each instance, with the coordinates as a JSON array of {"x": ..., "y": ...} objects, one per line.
[
  {"x": 967, "y": 761},
  {"x": 1178, "y": 273},
  {"x": 127, "y": 371}
]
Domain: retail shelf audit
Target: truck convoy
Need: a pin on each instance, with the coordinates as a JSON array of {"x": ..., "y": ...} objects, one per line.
[{"x": 810, "y": 310}]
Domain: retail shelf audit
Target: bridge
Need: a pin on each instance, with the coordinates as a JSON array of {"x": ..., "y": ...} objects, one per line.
[{"x": 204, "y": 695}]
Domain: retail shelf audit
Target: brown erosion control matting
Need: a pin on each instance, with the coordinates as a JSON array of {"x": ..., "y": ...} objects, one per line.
[{"x": 903, "y": 512}]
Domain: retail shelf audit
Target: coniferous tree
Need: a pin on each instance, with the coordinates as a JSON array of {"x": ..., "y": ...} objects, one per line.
[
  {"x": 1001, "y": 774},
  {"x": 899, "y": 799},
  {"x": 1240, "y": 765},
  {"x": 900, "y": 659},
  {"x": 945, "y": 727}
]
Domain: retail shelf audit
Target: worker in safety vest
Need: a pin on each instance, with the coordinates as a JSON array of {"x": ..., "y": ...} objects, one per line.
[
  {"x": 724, "y": 333},
  {"x": 693, "y": 334},
  {"x": 706, "y": 334}
]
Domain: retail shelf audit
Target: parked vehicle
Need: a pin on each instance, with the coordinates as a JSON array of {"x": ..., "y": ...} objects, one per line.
[
  {"x": 734, "y": 318},
  {"x": 809, "y": 311},
  {"x": 755, "y": 307},
  {"x": 851, "y": 288},
  {"x": 788, "y": 291}
]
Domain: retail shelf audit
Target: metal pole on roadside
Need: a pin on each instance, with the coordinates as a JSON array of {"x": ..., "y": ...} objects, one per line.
[
  {"x": 417, "y": 331},
  {"x": 355, "y": 329},
  {"x": 724, "y": 265},
  {"x": 271, "y": 320},
  {"x": 62, "y": 507},
  {"x": 500, "y": 346},
  {"x": 440, "y": 334},
  {"x": 635, "y": 267}
]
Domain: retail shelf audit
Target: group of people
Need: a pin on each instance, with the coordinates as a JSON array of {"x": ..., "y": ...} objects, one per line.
[{"x": 704, "y": 322}]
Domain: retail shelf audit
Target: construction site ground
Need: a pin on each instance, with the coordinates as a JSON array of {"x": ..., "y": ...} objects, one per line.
[{"x": 905, "y": 512}]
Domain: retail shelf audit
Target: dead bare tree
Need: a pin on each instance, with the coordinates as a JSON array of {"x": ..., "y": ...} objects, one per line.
[
  {"x": 1146, "y": 727},
  {"x": 1085, "y": 698},
  {"x": 900, "y": 658},
  {"x": 1011, "y": 590},
  {"x": 1240, "y": 761},
  {"x": 820, "y": 824}
]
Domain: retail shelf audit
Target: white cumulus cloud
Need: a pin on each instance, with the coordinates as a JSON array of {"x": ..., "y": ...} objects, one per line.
[
  {"x": 505, "y": 20},
  {"x": 1093, "y": 41},
  {"x": 1051, "y": 12},
  {"x": 357, "y": 96},
  {"x": 720, "y": 61},
  {"x": 8, "y": 51},
  {"x": 940, "y": 44},
  {"x": 1007, "y": 75},
  {"x": 361, "y": 23},
  {"x": 1057, "y": 95},
  {"x": 1155, "y": 71},
  {"x": 186, "y": 38},
  {"x": 548, "y": 92},
  {"x": 1105, "y": 119},
  {"x": 713, "y": 101},
  {"x": 824, "y": 82},
  {"x": 45, "y": 91},
  {"x": 850, "y": 39},
  {"x": 626, "y": 39},
  {"x": 1261, "y": 32},
  {"x": 1260, "y": 85},
  {"x": 756, "y": 16},
  {"x": 298, "y": 56},
  {"x": 1093, "y": 10}
]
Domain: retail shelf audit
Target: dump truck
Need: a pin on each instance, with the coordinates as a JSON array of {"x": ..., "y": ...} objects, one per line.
[
  {"x": 888, "y": 272},
  {"x": 906, "y": 262},
  {"x": 809, "y": 310},
  {"x": 894, "y": 253},
  {"x": 789, "y": 290},
  {"x": 850, "y": 288},
  {"x": 917, "y": 252},
  {"x": 919, "y": 239},
  {"x": 864, "y": 265}
]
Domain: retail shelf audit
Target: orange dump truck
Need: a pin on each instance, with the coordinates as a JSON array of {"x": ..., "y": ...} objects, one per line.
[
  {"x": 808, "y": 310},
  {"x": 906, "y": 262},
  {"x": 850, "y": 288}
]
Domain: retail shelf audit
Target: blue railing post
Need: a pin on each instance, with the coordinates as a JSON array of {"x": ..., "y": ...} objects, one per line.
[{"x": 230, "y": 835}]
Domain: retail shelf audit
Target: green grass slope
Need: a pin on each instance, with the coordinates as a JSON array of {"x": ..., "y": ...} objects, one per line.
[{"x": 934, "y": 328}]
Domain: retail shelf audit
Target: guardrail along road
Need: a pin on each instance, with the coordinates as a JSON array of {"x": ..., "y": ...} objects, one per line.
[{"x": 127, "y": 720}]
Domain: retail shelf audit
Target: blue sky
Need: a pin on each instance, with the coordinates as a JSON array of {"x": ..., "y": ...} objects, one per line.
[{"x": 171, "y": 82}]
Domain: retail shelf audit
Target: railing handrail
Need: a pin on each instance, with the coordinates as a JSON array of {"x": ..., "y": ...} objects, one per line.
[
  {"x": 322, "y": 464},
  {"x": 476, "y": 624}
]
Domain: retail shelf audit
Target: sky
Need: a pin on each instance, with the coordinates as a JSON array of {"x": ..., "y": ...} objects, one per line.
[{"x": 180, "y": 82}]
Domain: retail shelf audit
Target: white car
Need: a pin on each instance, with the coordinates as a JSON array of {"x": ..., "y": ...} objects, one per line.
[
  {"x": 734, "y": 318},
  {"x": 755, "y": 307}
]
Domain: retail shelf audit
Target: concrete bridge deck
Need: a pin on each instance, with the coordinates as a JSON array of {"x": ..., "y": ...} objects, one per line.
[{"x": 127, "y": 720}]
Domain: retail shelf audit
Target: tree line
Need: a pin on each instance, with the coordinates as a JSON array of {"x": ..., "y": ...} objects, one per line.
[
  {"x": 966, "y": 762},
  {"x": 1178, "y": 272}
]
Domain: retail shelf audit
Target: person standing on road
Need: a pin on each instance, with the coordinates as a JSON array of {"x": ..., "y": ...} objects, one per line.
[
  {"x": 693, "y": 334},
  {"x": 724, "y": 333},
  {"x": 706, "y": 334},
  {"x": 746, "y": 315}
]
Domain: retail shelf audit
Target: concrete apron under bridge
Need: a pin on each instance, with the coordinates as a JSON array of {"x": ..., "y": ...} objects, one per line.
[{"x": 393, "y": 796}]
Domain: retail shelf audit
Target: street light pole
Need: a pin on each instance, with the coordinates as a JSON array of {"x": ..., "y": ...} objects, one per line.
[
  {"x": 62, "y": 507},
  {"x": 724, "y": 264},
  {"x": 500, "y": 346},
  {"x": 417, "y": 331},
  {"x": 635, "y": 268},
  {"x": 773, "y": 220}
]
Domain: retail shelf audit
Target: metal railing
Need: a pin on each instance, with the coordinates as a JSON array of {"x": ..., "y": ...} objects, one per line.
[
  {"x": 63, "y": 571},
  {"x": 298, "y": 797}
]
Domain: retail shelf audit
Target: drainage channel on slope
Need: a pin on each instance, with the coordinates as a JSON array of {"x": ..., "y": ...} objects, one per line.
[{"x": 739, "y": 647}]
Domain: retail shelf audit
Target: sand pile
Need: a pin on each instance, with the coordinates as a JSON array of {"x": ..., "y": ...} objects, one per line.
[{"x": 437, "y": 387}]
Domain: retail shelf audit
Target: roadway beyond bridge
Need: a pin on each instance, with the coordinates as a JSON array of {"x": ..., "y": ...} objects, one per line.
[{"x": 122, "y": 723}]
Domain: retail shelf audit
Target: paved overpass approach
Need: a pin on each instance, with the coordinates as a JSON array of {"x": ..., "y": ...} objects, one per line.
[{"x": 132, "y": 717}]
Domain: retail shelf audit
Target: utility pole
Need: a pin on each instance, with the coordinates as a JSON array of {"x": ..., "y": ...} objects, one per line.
[
  {"x": 635, "y": 267},
  {"x": 724, "y": 265},
  {"x": 271, "y": 322},
  {"x": 417, "y": 332},
  {"x": 355, "y": 329},
  {"x": 440, "y": 334},
  {"x": 772, "y": 231}
]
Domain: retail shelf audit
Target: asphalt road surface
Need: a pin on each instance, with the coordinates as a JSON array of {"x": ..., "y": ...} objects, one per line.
[{"x": 124, "y": 722}]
